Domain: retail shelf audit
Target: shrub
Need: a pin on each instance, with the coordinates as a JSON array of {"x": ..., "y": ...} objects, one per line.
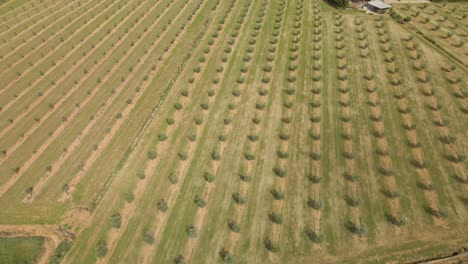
[
  {"x": 191, "y": 231},
  {"x": 101, "y": 248},
  {"x": 245, "y": 178},
  {"x": 256, "y": 120},
  {"x": 355, "y": 228},
  {"x": 314, "y": 204},
  {"x": 116, "y": 220},
  {"x": 162, "y": 136},
  {"x": 278, "y": 195},
  {"x": 252, "y": 138},
  {"x": 282, "y": 154},
  {"x": 215, "y": 155},
  {"x": 173, "y": 179},
  {"x": 199, "y": 201},
  {"x": 227, "y": 121},
  {"x": 275, "y": 217},
  {"x": 266, "y": 79},
  {"x": 284, "y": 137},
  {"x": 129, "y": 196},
  {"x": 179, "y": 259},
  {"x": 395, "y": 220},
  {"x": 232, "y": 224},
  {"x": 148, "y": 236},
  {"x": 315, "y": 179},
  {"x": 352, "y": 201},
  {"x": 204, "y": 106},
  {"x": 192, "y": 137},
  {"x": 162, "y": 205},
  {"x": 350, "y": 176},
  {"x": 290, "y": 91},
  {"x": 183, "y": 155},
  {"x": 270, "y": 245},
  {"x": 439, "y": 213},
  {"x": 238, "y": 199},
  {"x": 226, "y": 257},
  {"x": 313, "y": 236},
  {"x": 208, "y": 177},
  {"x": 198, "y": 121},
  {"x": 170, "y": 121},
  {"x": 280, "y": 172},
  {"x": 263, "y": 92},
  {"x": 177, "y": 106},
  {"x": 315, "y": 155},
  {"x": 152, "y": 154},
  {"x": 288, "y": 105}
]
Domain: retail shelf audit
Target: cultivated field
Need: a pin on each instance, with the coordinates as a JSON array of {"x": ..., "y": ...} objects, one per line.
[{"x": 231, "y": 131}]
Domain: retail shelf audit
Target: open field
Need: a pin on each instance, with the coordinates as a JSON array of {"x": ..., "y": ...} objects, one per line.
[
  {"x": 233, "y": 131},
  {"x": 20, "y": 249}
]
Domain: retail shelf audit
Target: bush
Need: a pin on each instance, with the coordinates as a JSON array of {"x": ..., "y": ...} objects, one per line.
[
  {"x": 215, "y": 155},
  {"x": 275, "y": 217},
  {"x": 280, "y": 172},
  {"x": 278, "y": 195},
  {"x": 183, "y": 155},
  {"x": 162, "y": 205},
  {"x": 282, "y": 154},
  {"x": 148, "y": 236},
  {"x": 395, "y": 220},
  {"x": 315, "y": 155},
  {"x": 116, "y": 220},
  {"x": 101, "y": 248},
  {"x": 179, "y": 259},
  {"x": 204, "y": 106},
  {"x": 313, "y": 236},
  {"x": 252, "y": 138},
  {"x": 152, "y": 154},
  {"x": 284, "y": 137},
  {"x": 199, "y": 201},
  {"x": 173, "y": 179},
  {"x": 162, "y": 136},
  {"x": 351, "y": 177},
  {"x": 129, "y": 196},
  {"x": 177, "y": 106},
  {"x": 191, "y": 231},
  {"x": 227, "y": 121},
  {"x": 192, "y": 137},
  {"x": 249, "y": 156},
  {"x": 355, "y": 228},
  {"x": 245, "y": 178},
  {"x": 270, "y": 245},
  {"x": 352, "y": 201},
  {"x": 314, "y": 204},
  {"x": 170, "y": 121},
  {"x": 238, "y": 199},
  {"x": 232, "y": 224},
  {"x": 315, "y": 179},
  {"x": 198, "y": 121},
  {"x": 208, "y": 177},
  {"x": 226, "y": 257}
]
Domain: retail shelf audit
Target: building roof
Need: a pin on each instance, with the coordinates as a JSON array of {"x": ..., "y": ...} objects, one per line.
[{"x": 379, "y": 4}]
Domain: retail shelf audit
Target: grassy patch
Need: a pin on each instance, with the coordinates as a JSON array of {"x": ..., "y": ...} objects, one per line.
[{"x": 20, "y": 249}]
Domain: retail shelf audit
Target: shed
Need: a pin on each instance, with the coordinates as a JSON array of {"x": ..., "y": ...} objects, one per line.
[{"x": 378, "y": 6}]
